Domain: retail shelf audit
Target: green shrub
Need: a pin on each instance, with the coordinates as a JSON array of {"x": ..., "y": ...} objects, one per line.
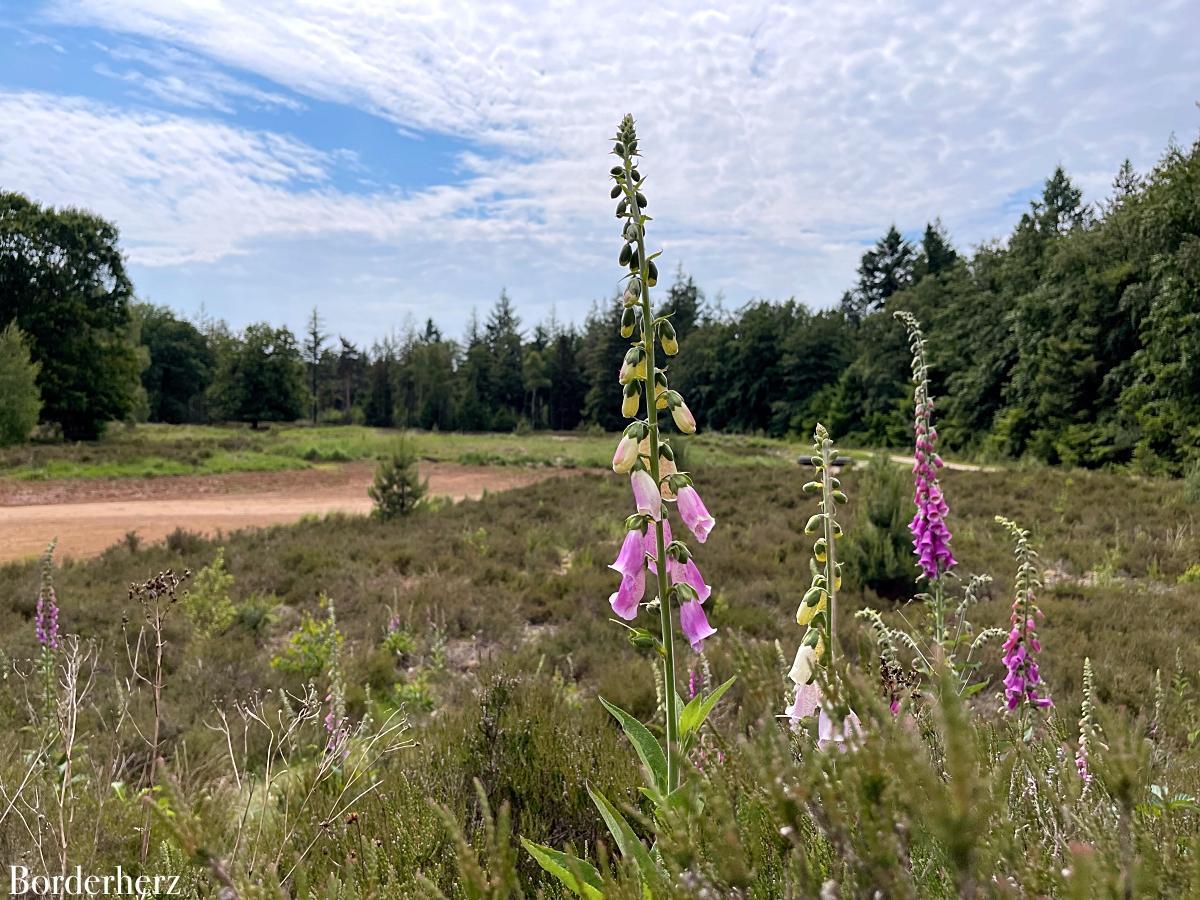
[
  {"x": 878, "y": 552},
  {"x": 207, "y": 604},
  {"x": 20, "y": 399},
  {"x": 398, "y": 487},
  {"x": 310, "y": 649},
  {"x": 1191, "y": 483}
]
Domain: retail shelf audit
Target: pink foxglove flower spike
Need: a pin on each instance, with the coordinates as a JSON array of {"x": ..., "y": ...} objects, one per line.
[{"x": 1023, "y": 685}]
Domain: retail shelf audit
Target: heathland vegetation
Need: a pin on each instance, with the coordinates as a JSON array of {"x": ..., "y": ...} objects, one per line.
[{"x": 813, "y": 675}]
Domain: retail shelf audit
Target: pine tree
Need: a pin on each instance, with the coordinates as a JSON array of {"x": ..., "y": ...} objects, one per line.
[
  {"x": 398, "y": 487},
  {"x": 314, "y": 341},
  {"x": 937, "y": 254}
]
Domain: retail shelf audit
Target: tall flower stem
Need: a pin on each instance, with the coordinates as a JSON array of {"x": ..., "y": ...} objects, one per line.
[
  {"x": 827, "y": 503},
  {"x": 664, "y": 600}
]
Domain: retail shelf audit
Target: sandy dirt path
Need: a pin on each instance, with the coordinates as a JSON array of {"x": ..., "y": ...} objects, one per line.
[{"x": 89, "y": 515}]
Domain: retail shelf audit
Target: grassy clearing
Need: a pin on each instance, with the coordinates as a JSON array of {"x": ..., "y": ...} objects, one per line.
[
  {"x": 507, "y": 645},
  {"x": 153, "y": 450}
]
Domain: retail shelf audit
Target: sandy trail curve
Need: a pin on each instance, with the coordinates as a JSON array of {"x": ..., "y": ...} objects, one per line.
[{"x": 89, "y": 515}]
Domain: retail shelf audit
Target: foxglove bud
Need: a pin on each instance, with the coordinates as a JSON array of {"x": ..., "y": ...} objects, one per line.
[
  {"x": 631, "y": 400},
  {"x": 651, "y": 273},
  {"x": 684, "y": 420},
  {"x": 633, "y": 291},
  {"x": 660, "y": 389},
  {"x": 628, "y": 322},
  {"x": 634, "y": 366},
  {"x": 626, "y": 455},
  {"x": 666, "y": 337},
  {"x": 626, "y": 254}
]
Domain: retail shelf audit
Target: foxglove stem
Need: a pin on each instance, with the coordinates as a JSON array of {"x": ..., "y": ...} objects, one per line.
[
  {"x": 664, "y": 598},
  {"x": 830, "y": 552}
]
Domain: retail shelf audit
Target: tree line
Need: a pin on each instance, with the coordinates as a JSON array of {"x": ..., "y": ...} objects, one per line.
[{"x": 1074, "y": 340}]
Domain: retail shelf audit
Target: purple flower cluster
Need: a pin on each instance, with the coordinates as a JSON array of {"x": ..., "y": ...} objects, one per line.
[
  {"x": 931, "y": 537},
  {"x": 1023, "y": 683},
  {"x": 46, "y": 619},
  {"x": 639, "y": 552}
]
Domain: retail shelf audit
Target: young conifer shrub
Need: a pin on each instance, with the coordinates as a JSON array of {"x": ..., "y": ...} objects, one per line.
[{"x": 398, "y": 488}]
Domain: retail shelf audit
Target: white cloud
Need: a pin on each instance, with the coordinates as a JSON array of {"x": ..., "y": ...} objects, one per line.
[
  {"x": 183, "y": 79},
  {"x": 778, "y": 135}
]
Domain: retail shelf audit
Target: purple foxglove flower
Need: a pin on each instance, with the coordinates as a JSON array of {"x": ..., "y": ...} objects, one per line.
[
  {"x": 632, "y": 558},
  {"x": 625, "y": 456},
  {"x": 646, "y": 495},
  {"x": 624, "y": 601},
  {"x": 694, "y": 514},
  {"x": 45, "y": 623},
  {"x": 689, "y": 573},
  {"x": 684, "y": 420},
  {"x": 808, "y": 699},
  {"x": 695, "y": 624},
  {"x": 843, "y": 735}
]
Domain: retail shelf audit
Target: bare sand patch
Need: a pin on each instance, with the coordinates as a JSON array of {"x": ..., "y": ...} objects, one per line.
[{"x": 88, "y": 515}]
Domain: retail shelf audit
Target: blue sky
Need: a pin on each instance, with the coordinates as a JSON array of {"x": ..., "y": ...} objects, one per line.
[{"x": 387, "y": 162}]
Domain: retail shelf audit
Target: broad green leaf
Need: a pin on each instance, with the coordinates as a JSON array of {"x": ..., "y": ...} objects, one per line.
[
  {"x": 627, "y": 842},
  {"x": 578, "y": 875},
  {"x": 697, "y": 711},
  {"x": 644, "y": 743}
]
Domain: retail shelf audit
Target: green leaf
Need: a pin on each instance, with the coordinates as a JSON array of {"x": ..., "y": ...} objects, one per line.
[
  {"x": 974, "y": 689},
  {"x": 578, "y": 875},
  {"x": 696, "y": 712},
  {"x": 647, "y": 748},
  {"x": 627, "y": 842}
]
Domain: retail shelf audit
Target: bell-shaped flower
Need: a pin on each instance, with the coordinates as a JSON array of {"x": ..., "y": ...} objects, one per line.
[
  {"x": 646, "y": 495},
  {"x": 689, "y": 573},
  {"x": 808, "y": 699},
  {"x": 695, "y": 624},
  {"x": 684, "y": 420},
  {"x": 694, "y": 513},
  {"x": 804, "y": 666},
  {"x": 632, "y": 558},
  {"x": 843, "y": 735},
  {"x": 626, "y": 455},
  {"x": 625, "y": 599},
  {"x": 666, "y": 468}
]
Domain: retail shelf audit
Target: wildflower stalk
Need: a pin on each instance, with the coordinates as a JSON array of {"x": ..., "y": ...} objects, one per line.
[
  {"x": 831, "y": 579},
  {"x": 931, "y": 537},
  {"x": 647, "y": 342},
  {"x": 646, "y": 457},
  {"x": 1024, "y": 685},
  {"x": 818, "y": 608}
]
